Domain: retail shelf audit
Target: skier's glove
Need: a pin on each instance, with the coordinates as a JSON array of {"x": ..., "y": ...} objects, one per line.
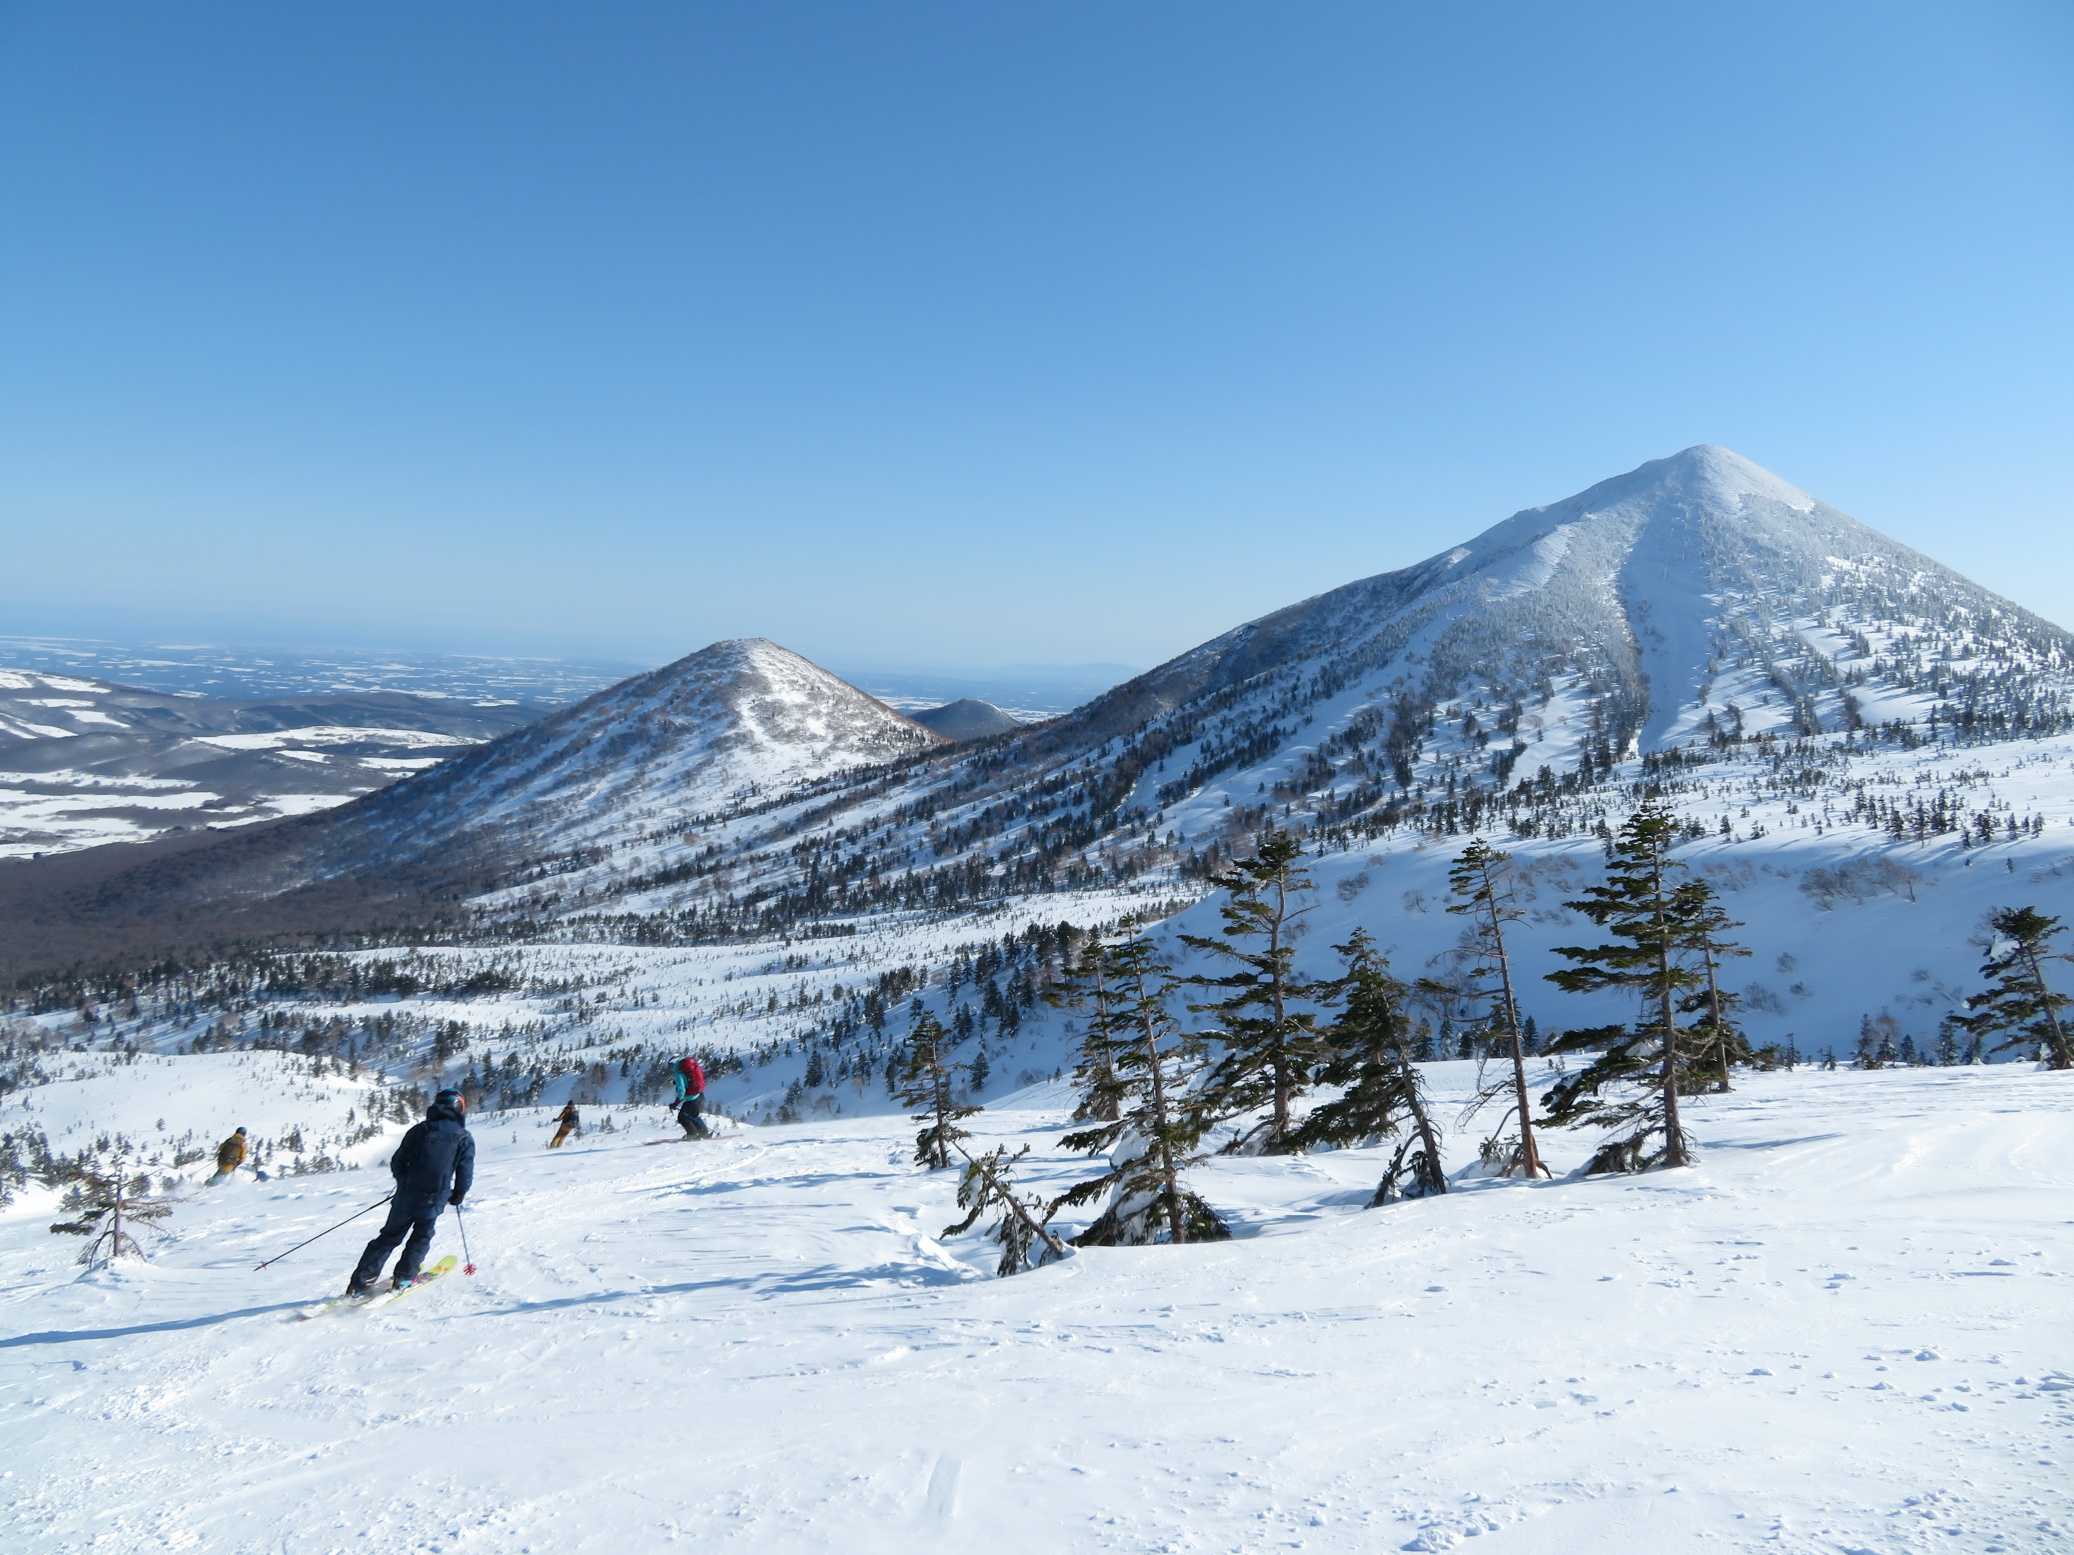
[{"x": 454, "y": 1199}]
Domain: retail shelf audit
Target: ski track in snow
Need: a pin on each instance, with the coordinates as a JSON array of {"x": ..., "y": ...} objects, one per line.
[{"x": 1842, "y": 1331}]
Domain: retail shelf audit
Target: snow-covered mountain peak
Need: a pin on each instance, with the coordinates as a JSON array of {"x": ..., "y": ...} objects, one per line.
[
  {"x": 1705, "y": 476},
  {"x": 774, "y": 698},
  {"x": 1695, "y": 597},
  {"x": 654, "y": 756}
]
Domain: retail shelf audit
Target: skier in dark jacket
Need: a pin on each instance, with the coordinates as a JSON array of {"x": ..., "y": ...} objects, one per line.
[{"x": 433, "y": 1167}]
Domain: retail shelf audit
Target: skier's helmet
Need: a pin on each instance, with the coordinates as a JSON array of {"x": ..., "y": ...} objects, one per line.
[
  {"x": 241, "y": 1128},
  {"x": 453, "y": 1099}
]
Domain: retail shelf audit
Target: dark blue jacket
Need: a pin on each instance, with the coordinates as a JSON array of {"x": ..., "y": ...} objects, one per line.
[{"x": 435, "y": 1160}]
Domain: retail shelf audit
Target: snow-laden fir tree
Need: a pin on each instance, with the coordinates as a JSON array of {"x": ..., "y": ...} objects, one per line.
[
  {"x": 1368, "y": 1050},
  {"x": 929, "y": 1085},
  {"x": 1269, "y": 1039},
  {"x": 105, "y": 1206},
  {"x": 2020, "y": 1006},
  {"x": 1486, "y": 893},
  {"x": 1719, "y": 1040},
  {"x": 1632, "y": 1086},
  {"x": 1152, "y": 1141},
  {"x": 1021, "y": 1226}
]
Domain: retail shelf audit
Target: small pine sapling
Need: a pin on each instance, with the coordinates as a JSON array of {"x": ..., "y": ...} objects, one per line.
[
  {"x": 1633, "y": 1084},
  {"x": 2020, "y": 1006},
  {"x": 1270, "y": 1044},
  {"x": 928, "y": 1085},
  {"x": 105, "y": 1206},
  {"x": 1368, "y": 1050},
  {"x": 1486, "y": 893},
  {"x": 1022, "y": 1225},
  {"x": 1152, "y": 1140}
]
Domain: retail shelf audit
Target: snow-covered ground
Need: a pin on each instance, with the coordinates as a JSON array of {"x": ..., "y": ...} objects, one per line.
[{"x": 1842, "y": 1331}]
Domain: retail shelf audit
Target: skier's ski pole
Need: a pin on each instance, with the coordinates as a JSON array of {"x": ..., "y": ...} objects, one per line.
[
  {"x": 299, "y": 1246},
  {"x": 468, "y": 1266}
]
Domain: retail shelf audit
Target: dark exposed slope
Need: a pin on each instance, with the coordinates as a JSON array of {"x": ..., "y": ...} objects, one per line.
[{"x": 967, "y": 719}]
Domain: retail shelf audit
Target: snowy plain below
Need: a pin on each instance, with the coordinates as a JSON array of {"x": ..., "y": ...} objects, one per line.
[{"x": 1844, "y": 1330}]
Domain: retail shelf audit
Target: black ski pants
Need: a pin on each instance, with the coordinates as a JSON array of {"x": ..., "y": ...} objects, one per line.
[
  {"x": 690, "y": 1118},
  {"x": 404, "y": 1219}
]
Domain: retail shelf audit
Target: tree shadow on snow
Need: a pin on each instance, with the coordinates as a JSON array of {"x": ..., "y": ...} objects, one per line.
[
  {"x": 822, "y": 1277},
  {"x": 79, "y": 1335}
]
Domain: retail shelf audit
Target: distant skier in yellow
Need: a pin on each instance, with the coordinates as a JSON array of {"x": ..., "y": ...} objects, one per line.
[
  {"x": 230, "y": 1155},
  {"x": 570, "y": 1124}
]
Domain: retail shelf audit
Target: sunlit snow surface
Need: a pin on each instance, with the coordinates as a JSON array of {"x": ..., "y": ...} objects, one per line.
[{"x": 1843, "y": 1330}]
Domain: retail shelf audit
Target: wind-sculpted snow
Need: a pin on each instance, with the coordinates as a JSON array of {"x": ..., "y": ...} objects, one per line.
[{"x": 1840, "y": 1330}]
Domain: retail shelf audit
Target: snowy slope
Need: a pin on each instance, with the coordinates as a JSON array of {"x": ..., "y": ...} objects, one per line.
[{"x": 1838, "y": 1332}]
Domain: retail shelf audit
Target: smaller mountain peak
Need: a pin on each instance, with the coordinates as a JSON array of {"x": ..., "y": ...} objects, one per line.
[{"x": 968, "y": 718}]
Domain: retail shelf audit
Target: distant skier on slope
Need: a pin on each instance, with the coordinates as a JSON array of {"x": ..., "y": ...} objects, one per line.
[
  {"x": 691, "y": 1099},
  {"x": 433, "y": 1167},
  {"x": 230, "y": 1155},
  {"x": 570, "y": 1124}
]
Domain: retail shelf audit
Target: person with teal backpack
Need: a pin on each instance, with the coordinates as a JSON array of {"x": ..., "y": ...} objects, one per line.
[{"x": 691, "y": 1099}]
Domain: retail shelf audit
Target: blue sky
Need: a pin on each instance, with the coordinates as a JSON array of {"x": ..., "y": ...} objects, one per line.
[{"x": 953, "y": 336}]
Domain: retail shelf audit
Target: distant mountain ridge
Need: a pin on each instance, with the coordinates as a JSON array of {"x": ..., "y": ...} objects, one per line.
[{"x": 1693, "y": 601}]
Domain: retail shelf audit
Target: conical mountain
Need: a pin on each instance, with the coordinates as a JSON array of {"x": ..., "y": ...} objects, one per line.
[
  {"x": 714, "y": 731},
  {"x": 1640, "y": 611}
]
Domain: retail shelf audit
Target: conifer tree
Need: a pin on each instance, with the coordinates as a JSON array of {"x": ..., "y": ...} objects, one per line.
[
  {"x": 105, "y": 1206},
  {"x": 1021, "y": 1225},
  {"x": 1270, "y": 1043},
  {"x": 926, "y": 1084},
  {"x": 1152, "y": 1140},
  {"x": 1639, "y": 906},
  {"x": 1368, "y": 1050},
  {"x": 1486, "y": 894},
  {"x": 1109, "y": 1026},
  {"x": 2020, "y": 1006},
  {"x": 1715, "y": 1033}
]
